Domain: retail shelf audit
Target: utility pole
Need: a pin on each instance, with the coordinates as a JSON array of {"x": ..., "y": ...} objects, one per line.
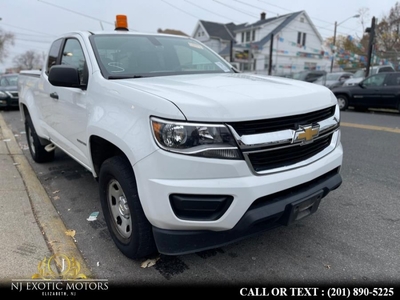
[
  {"x": 334, "y": 38},
  {"x": 371, "y": 31},
  {"x": 271, "y": 45},
  {"x": 333, "y": 46},
  {"x": 231, "y": 51}
]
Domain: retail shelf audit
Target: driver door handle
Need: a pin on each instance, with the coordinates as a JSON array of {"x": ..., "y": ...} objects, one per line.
[{"x": 54, "y": 95}]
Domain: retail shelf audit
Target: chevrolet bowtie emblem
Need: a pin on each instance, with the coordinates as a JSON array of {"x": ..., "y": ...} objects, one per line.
[{"x": 306, "y": 134}]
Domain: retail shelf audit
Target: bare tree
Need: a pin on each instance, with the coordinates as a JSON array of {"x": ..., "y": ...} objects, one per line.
[
  {"x": 28, "y": 60},
  {"x": 364, "y": 18},
  {"x": 6, "y": 40},
  {"x": 388, "y": 30}
]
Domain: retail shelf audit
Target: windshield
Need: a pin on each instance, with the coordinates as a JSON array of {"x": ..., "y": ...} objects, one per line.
[
  {"x": 9, "y": 80},
  {"x": 333, "y": 77},
  {"x": 299, "y": 75},
  {"x": 134, "y": 56},
  {"x": 359, "y": 74}
]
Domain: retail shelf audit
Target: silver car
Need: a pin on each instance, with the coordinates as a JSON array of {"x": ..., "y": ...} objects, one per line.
[{"x": 334, "y": 79}]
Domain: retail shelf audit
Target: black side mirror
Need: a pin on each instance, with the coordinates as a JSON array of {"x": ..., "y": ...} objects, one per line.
[{"x": 66, "y": 76}]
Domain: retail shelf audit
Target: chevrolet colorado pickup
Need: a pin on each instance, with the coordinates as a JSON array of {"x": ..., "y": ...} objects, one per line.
[{"x": 189, "y": 153}]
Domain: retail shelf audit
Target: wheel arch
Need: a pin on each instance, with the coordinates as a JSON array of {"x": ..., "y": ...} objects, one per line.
[
  {"x": 102, "y": 149},
  {"x": 24, "y": 114},
  {"x": 347, "y": 96}
]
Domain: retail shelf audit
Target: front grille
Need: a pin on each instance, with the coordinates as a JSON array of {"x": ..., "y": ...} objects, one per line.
[
  {"x": 282, "y": 157},
  {"x": 283, "y": 123}
]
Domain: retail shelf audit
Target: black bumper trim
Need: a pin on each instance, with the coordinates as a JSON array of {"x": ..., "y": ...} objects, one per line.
[{"x": 257, "y": 219}]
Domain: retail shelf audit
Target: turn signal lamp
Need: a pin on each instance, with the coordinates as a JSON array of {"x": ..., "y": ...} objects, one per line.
[{"x": 121, "y": 22}]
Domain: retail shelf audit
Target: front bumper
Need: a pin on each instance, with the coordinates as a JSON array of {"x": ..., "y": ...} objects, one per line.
[
  {"x": 282, "y": 208},
  {"x": 9, "y": 102},
  {"x": 163, "y": 174}
]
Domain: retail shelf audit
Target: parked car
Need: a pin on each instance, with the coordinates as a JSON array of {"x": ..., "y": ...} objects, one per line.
[
  {"x": 9, "y": 91},
  {"x": 309, "y": 76},
  {"x": 360, "y": 74},
  {"x": 334, "y": 79},
  {"x": 376, "y": 91}
]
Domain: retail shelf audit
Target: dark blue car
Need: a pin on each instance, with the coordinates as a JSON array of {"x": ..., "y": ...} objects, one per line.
[
  {"x": 9, "y": 91},
  {"x": 376, "y": 91}
]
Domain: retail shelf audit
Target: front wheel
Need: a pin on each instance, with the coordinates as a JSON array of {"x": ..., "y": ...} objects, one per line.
[
  {"x": 342, "y": 101},
  {"x": 123, "y": 213},
  {"x": 37, "y": 150}
]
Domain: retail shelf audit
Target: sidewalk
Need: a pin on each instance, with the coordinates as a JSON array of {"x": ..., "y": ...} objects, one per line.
[{"x": 30, "y": 228}]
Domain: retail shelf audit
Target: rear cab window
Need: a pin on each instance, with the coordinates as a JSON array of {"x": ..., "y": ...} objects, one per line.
[{"x": 385, "y": 69}]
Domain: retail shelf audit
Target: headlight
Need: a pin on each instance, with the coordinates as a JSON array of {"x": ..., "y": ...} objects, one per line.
[
  {"x": 3, "y": 95},
  {"x": 205, "y": 140}
]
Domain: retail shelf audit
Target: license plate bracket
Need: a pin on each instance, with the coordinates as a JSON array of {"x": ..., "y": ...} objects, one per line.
[{"x": 299, "y": 209}]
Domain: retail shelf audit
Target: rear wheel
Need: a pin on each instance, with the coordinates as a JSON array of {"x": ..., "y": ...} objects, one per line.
[
  {"x": 343, "y": 102},
  {"x": 123, "y": 213},
  {"x": 37, "y": 150}
]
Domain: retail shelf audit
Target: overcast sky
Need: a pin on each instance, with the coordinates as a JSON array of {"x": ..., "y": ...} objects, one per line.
[{"x": 36, "y": 23}]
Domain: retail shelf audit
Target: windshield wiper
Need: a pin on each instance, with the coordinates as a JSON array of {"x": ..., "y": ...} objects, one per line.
[{"x": 126, "y": 77}]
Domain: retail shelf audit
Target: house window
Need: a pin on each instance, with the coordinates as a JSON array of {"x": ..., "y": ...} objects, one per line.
[
  {"x": 247, "y": 36},
  {"x": 253, "y": 35},
  {"x": 242, "y": 37},
  {"x": 310, "y": 66},
  {"x": 302, "y": 20},
  {"x": 301, "y": 38}
]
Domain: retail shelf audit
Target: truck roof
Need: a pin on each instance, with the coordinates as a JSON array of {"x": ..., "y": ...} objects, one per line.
[{"x": 121, "y": 32}]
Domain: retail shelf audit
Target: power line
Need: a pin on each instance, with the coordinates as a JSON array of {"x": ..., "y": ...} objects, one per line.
[
  {"x": 180, "y": 9},
  {"x": 292, "y": 11},
  {"x": 231, "y": 7},
  {"x": 78, "y": 13},
  {"x": 211, "y": 11},
  {"x": 30, "y": 35},
  {"x": 36, "y": 41},
  {"x": 42, "y": 33},
  {"x": 255, "y": 6}
]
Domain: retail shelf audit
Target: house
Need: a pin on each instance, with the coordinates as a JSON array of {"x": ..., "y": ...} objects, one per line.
[{"x": 296, "y": 43}]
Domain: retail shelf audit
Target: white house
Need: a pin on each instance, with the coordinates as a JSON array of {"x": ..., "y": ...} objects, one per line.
[{"x": 296, "y": 43}]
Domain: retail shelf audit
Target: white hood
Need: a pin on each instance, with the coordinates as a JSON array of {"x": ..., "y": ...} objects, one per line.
[{"x": 235, "y": 97}]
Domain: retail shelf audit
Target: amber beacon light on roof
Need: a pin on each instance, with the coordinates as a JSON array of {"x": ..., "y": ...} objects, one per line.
[{"x": 121, "y": 23}]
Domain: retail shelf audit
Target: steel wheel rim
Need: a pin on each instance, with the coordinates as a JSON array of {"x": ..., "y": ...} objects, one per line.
[
  {"x": 341, "y": 102},
  {"x": 119, "y": 209},
  {"x": 31, "y": 141}
]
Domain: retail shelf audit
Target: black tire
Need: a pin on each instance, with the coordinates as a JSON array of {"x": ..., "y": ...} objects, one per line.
[
  {"x": 38, "y": 153},
  {"x": 123, "y": 212},
  {"x": 343, "y": 101}
]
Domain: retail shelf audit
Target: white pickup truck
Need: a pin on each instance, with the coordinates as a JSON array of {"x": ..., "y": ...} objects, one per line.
[{"x": 189, "y": 154}]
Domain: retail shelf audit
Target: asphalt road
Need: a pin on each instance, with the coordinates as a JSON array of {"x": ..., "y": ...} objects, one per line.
[{"x": 352, "y": 239}]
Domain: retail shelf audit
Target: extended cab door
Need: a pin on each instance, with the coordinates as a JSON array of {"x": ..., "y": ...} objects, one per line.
[
  {"x": 390, "y": 92},
  {"x": 369, "y": 93},
  {"x": 43, "y": 102},
  {"x": 69, "y": 111}
]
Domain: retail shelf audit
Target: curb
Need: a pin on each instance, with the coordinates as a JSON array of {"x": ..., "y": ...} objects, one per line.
[{"x": 47, "y": 218}]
